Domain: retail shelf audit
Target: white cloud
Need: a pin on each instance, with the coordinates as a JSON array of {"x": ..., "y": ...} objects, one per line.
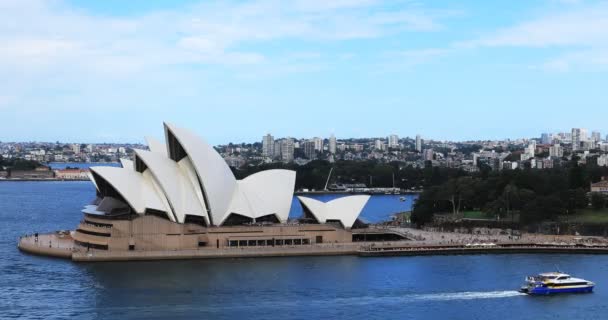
[
  {"x": 580, "y": 32},
  {"x": 38, "y": 33}
]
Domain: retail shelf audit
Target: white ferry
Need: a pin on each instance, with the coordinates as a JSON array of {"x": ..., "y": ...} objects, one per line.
[{"x": 556, "y": 282}]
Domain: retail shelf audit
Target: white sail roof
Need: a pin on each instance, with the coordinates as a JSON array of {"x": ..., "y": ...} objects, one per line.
[
  {"x": 270, "y": 192},
  {"x": 214, "y": 174},
  {"x": 177, "y": 188},
  {"x": 126, "y": 163},
  {"x": 156, "y": 146},
  {"x": 133, "y": 187},
  {"x": 345, "y": 209},
  {"x": 188, "y": 177}
]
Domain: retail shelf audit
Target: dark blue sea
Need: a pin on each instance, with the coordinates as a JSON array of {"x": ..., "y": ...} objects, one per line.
[{"x": 442, "y": 287}]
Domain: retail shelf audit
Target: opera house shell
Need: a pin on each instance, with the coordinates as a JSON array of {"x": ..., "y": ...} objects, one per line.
[
  {"x": 186, "y": 180},
  {"x": 345, "y": 210}
]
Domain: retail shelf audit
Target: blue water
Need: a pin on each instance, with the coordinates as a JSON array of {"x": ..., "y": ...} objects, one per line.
[{"x": 443, "y": 287}]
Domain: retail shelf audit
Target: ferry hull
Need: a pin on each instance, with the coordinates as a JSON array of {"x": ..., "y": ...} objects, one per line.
[{"x": 546, "y": 291}]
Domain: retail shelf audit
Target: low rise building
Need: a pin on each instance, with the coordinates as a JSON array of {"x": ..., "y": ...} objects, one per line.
[
  {"x": 601, "y": 186},
  {"x": 72, "y": 174}
]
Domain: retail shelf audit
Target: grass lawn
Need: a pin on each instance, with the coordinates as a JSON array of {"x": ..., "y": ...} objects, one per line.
[
  {"x": 476, "y": 215},
  {"x": 587, "y": 216}
]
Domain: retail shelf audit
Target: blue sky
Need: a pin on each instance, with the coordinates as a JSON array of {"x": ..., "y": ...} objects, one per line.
[{"x": 93, "y": 71}]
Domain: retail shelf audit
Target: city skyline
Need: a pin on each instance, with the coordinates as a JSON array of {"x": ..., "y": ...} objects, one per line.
[
  {"x": 417, "y": 138},
  {"x": 105, "y": 71}
]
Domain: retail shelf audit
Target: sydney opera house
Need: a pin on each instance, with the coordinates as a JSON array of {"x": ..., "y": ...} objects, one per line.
[{"x": 180, "y": 195}]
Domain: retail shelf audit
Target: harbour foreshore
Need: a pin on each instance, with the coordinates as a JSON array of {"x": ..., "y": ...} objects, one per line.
[{"x": 62, "y": 246}]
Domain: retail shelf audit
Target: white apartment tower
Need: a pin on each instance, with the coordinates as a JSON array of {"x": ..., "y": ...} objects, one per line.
[
  {"x": 332, "y": 144},
  {"x": 556, "y": 151},
  {"x": 287, "y": 146},
  {"x": 418, "y": 143},
  {"x": 268, "y": 146},
  {"x": 318, "y": 144},
  {"x": 578, "y": 136},
  {"x": 393, "y": 141}
]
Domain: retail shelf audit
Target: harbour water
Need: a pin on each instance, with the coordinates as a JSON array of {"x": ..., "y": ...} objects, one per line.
[{"x": 441, "y": 287}]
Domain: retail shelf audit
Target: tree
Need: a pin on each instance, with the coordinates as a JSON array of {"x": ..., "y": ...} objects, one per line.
[
  {"x": 455, "y": 191},
  {"x": 598, "y": 201},
  {"x": 425, "y": 207},
  {"x": 541, "y": 209}
]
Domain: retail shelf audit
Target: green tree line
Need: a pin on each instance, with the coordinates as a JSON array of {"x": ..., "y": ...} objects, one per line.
[{"x": 534, "y": 195}]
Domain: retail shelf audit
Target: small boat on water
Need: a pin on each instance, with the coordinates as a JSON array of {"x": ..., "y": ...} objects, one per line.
[{"x": 555, "y": 282}]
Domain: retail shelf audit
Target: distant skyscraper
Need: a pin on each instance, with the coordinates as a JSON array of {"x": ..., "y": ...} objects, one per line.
[
  {"x": 428, "y": 154},
  {"x": 418, "y": 143},
  {"x": 309, "y": 149},
  {"x": 556, "y": 151},
  {"x": 318, "y": 144},
  {"x": 393, "y": 141},
  {"x": 578, "y": 136},
  {"x": 276, "y": 151},
  {"x": 332, "y": 144},
  {"x": 268, "y": 146},
  {"x": 76, "y": 148},
  {"x": 287, "y": 150},
  {"x": 379, "y": 145},
  {"x": 596, "y": 136},
  {"x": 545, "y": 138}
]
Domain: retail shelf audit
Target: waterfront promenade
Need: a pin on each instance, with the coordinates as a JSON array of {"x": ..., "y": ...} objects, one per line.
[{"x": 422, "y": 242}]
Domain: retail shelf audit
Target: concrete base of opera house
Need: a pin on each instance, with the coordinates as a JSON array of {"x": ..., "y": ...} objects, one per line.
[
  {"x": 63, "y": 246},
  {"x": 154, "y": 238}
]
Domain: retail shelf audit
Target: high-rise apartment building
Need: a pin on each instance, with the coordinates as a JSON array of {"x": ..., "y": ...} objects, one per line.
[
  {"x": 379, "y": 145},
  {"x": 596, "y": 136},
  {"x": 76, "y": 148},
  {"x": 393, "y": 141},
  {"x": 287, "y": 147},
  {"x": 276, "y": 151},
  {"x": 545, "y": 138},
  {"x": 428, "y": 154},
  {"x": 309, "y": 149},
  {"x": 556, "y": 150},
  {"x": 268, "y": 146},
  {"x": 318, "y": 144},
  {"x": 332, "y": 144},
  {"x": 579, "y": 135},
  {"x": 418, "y": 143}
]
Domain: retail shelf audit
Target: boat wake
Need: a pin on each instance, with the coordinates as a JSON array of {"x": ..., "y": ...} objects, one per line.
[{"x": 449, "y": 296}]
